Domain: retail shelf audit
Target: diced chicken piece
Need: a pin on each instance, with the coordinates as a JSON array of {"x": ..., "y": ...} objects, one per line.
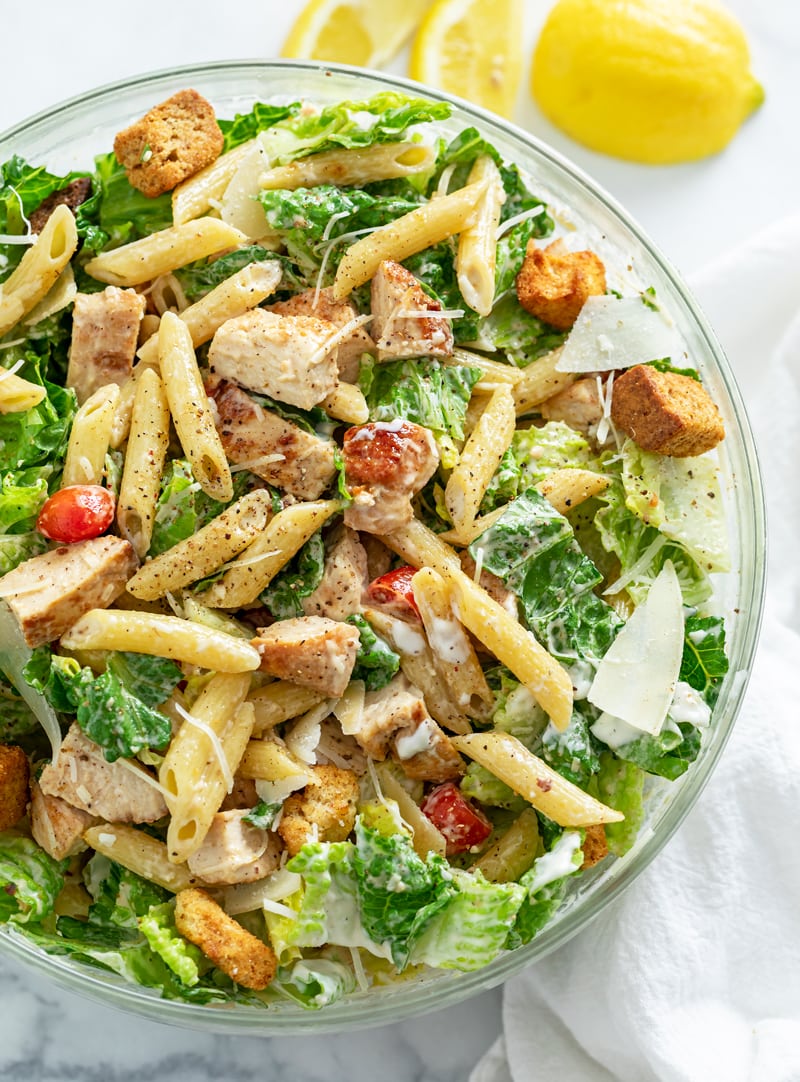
[
  {"x": 234, "y": 851},
  {"x": 578, "y": 405},
  {"x": 105, "y": 335},
  {"x": 284, "y": 357},
  {"x": 171, "y": 142},
  {"x": 492, "y": 584},
  {"x": 595, "y": 846},
  {"x": 340, "y": 313},
  {"x": 116, "y": 792},
  {"x": 401, "y": 323},
  {"x": 245, "y": 958},
  {"x": 396, "y": 720},
  {"x": 554, "y": 284},
  {"x": 303, "y": 462},
  {"x": 56, "y": 825},
  {"x": 242, "y": 796},
  {"x": 386, "y": 463},
  {"x": 379, "y": 558},
  {"x": 665, "y": 412},
  {"x": 14, "y": 774},
  {"x": 325, "y": 809},
  {"x": 49, "y": 592},
  {"x": 75, "y": 193},
  {"x": 343, "y": 579},
  {"x": 312, "y": 651},
  {"x": 337, "y": 749}
]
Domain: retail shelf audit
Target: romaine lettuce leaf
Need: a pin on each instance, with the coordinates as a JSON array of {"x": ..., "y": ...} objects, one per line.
[
  {"x": 510, "y": 329},
  {"x": 36, "y": 437},
  {"x": 704, "y": 661},
  {"x": 620, "y": 785},
  {"x": 157, "y": 925},
  {"x": 30, "y": 880},
  {"x": 263, "y": 815},
  {"x": 376, "y": 662},
  {"x": 505, "y": 483},
  {"x": 246, "y": 126},
  {"x": 480, "y": 784},
  {"x": 553, "y": 446},
  {"x": 119, "y": 896},
  {"x": 573, "y": 751},
  {"x": 15, "y": 548},
  {"x": 315, "y": 982},
  {"x": 545, "y": 884},
  {"x": 200, "y": 277},
  {"x": 183, "y": 508},
  {"x": 151, "y": 679},
  {"x": 300, "y": 578},
  {"x": 124, "y": 213}
]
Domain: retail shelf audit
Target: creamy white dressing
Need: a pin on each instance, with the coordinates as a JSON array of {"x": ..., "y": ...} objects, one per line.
[
  {"x": 447, "y": 639},
  {"x": 414, "y": 743},
  {"x": 614, "y": 732},
  {"x": 407, "y": 639},
  {"x": 688, "y": 705},
  {"x": 560, "y": 861}
]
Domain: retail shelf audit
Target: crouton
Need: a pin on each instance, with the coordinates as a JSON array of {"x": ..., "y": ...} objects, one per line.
[
  {"x": 75, "y": 193},
  {"x": 14, "y": 774},
  {"x": 553, "y": 284},
  {"x": 105, "y": 334},
  {"x": 595, "y": 846},
  {"x": 665, "y": 412},
  {"x": 56, "y": 825},
  {"x": 246, "y": 959},
  {"x": 324, "y": 809},
  {"x": 312, "y": 651},
  {"x": 171, "y": 142}
]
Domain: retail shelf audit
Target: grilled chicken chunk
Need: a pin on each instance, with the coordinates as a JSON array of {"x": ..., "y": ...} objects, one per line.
[
  {"x": 343, "y": 579},
  {"x": 311, "y": 651},
  {"x": 234, "y": 851},
  {"x": 340, "y": 313},
  {"x": 84, "y": 778},
  {"x": 56, "y": 825},
  {"x": 256, "y": 436},
  {"x": 284, "y": 357},
  {"x": 405, "y": 323},
  {"x": 105, "y": 334},
  {"x": 49, "y": 592},
  {"x": 386, "y": 463}
]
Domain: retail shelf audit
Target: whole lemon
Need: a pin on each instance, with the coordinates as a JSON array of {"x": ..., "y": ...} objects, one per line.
[{"x": 656, "y": 81}]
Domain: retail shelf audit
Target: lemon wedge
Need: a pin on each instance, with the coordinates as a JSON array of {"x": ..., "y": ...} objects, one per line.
[
  {"x": 654, "y": 81},
  {"x": 472, "y": 48},
  {"x": 367, "y": 33}
]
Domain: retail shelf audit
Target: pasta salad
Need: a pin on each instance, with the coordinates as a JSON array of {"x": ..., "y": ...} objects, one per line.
[{"x": 357, "y": 541}]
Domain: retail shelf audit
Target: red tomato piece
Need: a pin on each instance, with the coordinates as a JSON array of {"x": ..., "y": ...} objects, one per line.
[
  {"x": 394, "y": 591},
  {"x": 76, "y": 513},
  {"x": 463, "y": 825}
]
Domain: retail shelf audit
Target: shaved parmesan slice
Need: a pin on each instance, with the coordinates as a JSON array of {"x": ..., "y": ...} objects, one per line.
[
  {"x": 275, "y": 792},
  {"x": 614, "y": 332},
  {"x": 636, "y": 679},
  {"x": 350, "y": 708},
  {"x": 238, "y": 207},
  {"x": 302, "y": 738}
]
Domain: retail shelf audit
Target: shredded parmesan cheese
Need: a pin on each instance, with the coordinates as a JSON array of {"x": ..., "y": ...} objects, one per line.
[
  {"x": 428, "y": 313},
  {"x": 358, "y": 969},
  {"x": 4, "y": 372},
  {"x": 254, "y": 463},
  {"x": 216, "y": 744},
  {"x": 144, "y": 776},
  {"x": 509, "y": 223}
]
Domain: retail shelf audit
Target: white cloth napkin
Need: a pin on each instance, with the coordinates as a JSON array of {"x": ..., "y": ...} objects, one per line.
[{"x": 693, "y": 975}]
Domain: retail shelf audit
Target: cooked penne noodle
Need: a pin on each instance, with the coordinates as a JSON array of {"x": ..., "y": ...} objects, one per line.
[
  {"x": 347, "y": 403},
  {"x": 514, "y": 851},
  {"x": 540, "y": 380},
  {"x": 550, "y": 793},
  {"x": 420, "y": 228},
  {"x": 426, "y": 837},
  {"x": 18, "y": 394},
  {"x": 494, "y": 372},
  {"x": 57, "y": 297},
  {"x": 89, "y": 437},
  {"x": 164, "y": 636},
  {"x": 383, "y": 161},
  {"x": 140, "y": 853},
  {"x": 159, "y": 253},
  {"x": 245, "y": 289},
  {"x": 38, "y": 270},
  {"x": 203, "y": 757},
  {"x": 121, "y": 425},
  {"x": 191, "y": 413},
  {"x": 454, "y": 654},
  {"x": 485, "y": 447},
  {"x": 198, "y": 194},
  {"x": 567, "y": 488},
  {"x": 476, "y": 256},
  {"x": 474, "y": 529},
  {"x": 144, "y": 462},
  {"x": 284, "y": 535},
  {"x": 269, "y": 760},
  {"x": 206, "y": 551},
  {"x": 280, "y": 701}
]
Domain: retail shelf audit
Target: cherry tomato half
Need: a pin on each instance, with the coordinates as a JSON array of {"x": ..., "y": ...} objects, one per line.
[
  {"x": 76, "y": 513},
  {"x": 462, "y": 824},
  {"x": 393, "y": 591}
]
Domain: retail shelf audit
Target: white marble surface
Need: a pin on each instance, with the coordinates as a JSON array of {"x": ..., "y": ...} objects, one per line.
[{"x": 694, "y": 213}]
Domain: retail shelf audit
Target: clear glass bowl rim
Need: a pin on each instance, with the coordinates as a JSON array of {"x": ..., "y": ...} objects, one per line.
[{"x": 404, "y": 1001}]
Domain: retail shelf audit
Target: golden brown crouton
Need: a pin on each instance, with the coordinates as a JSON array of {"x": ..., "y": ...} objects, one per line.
[
  {"x": 14, "y": 774},
  {"x": 553, "y": 284},
  {"x": 328, "y": 802},
  {"x": 75, "y": 193},
  {"x": 595, "y": 846},
  {"x": 244, "y": 957},
  {"x": 171, "y": 142},
  {"x": 665, "y": 412}
]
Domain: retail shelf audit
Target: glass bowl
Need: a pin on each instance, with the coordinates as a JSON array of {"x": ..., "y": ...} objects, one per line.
[{"x": 69, "y": 135}]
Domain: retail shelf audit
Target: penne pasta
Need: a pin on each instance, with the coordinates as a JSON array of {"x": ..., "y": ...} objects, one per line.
[
  {"x": 89, "y": 438},
  {"x": 144, "y": 462},
  {"x": 568, "y": 488},
  {"x": 140, "y": 853},
  {"x": 428, "y": 224},
  {"x": 476, "y": 256},
  {"x": 206, "y": 551},
  {"x": 191, "y": 413},
  {"x": 18, "y": 394},
  {"x": 39, "y": 269},
  {"x": 426, "y": 837},
  {"x": 529, "y": 776},
  {"x": 382, "y": 161},
  {"x": 271, "y": 760},
  {"x": 164, "y": 251},
  {"x": 198, "y": 194},
  {"x": 280, "y": 701},
  {"x": 347, "y": 403},
  {"x": 163, "y": 636},
  {"x": 485, "y": 447},
  {"x": 493, "y": 372},
  {"x": 284, "y": 535},
  {"x": 540, "y": 380}
]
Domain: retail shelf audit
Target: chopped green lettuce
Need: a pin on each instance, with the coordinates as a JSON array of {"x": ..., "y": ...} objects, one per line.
[
  {"x": 157, "y": 925},
  {"x": 376, "y": 662},
  {"x": 315, "y": 982},
  {"x": 519, "y": 335},
  {"x": 124, "y": 213},
  {"x": 15, "y": 548},
  {"x": 704, "y": 661},
  {"x": 183, "y": 508},
  {"x": 263, "y": 815},
  {"x": 545, "y": 884},
  {"x": 246, "y": 126},
  {"x": 295, "y": 582},
  {"x": 573, "y": 751},
  {"x": 505, "y": 483},
  {"x": 480, "y": 784},
  {"x": 620, "y": 785},
  {"x": 201, "y": 277},
  {"x": 36, "y": 437},
  {"x": 30, "y": 880},
  {"x": 152, "y": 679},
  {"x": 119, "y": 896}
]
